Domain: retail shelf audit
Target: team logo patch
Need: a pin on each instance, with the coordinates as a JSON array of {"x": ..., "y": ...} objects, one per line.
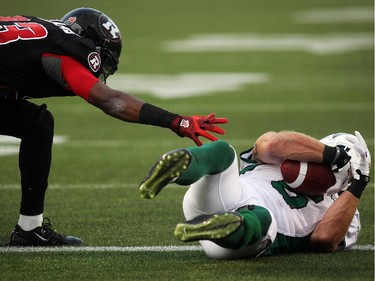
[
  {"x": 94, "y": 61},
  {"x": 112, "y": 29},
  {"x": 184, "y": 123},
  {"x": 72, "y": 20}
]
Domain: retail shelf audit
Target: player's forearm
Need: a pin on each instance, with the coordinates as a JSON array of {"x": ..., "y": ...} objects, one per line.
[
  {"x": 332, "y": 228},
  {"x": 275, "y": 147},
  {"x": 115, "y": 103}
]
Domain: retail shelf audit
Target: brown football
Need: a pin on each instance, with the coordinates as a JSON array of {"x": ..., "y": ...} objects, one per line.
[{"x": 307, "y": 178}]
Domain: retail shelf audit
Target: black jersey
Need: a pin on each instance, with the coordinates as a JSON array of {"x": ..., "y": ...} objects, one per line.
[{"x": 23, "y": 41}]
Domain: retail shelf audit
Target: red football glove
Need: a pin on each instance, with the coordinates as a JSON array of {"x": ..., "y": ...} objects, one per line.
[{"x": 195, "y": 126}]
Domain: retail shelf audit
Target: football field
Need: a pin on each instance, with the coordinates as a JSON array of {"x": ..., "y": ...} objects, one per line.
[{"x": 265, "y": 65}]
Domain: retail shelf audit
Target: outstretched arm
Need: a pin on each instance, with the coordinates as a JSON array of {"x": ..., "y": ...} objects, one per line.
[
  {"x": 130, "y": 109},
  {"x": 74, "y": 77},
  {"x": 115, "y": 103}
]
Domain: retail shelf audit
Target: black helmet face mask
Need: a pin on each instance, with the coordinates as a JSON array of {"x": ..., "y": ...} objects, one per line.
[
  {"x": 109, "y": 63},
  {"x": 109, "y": 50},
  {"x": 98, "y": 27}
]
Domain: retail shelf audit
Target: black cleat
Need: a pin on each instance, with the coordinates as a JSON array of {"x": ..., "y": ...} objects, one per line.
[
  {"x": 164, "y": 171},
  {"x": 42, "y": 236}
]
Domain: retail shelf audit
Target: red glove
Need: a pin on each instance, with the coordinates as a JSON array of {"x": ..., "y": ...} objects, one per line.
[{"x": 195, "y": 126}]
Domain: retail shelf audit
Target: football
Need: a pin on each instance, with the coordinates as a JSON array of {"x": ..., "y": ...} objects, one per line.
[{"x": 307, "y": 178}]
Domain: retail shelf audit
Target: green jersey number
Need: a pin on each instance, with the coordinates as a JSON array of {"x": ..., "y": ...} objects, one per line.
[{"x": 294, "y": 200}]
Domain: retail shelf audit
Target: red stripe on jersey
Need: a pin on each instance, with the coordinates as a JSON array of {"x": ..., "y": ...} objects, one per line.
[{"x": 78, "y": 78}]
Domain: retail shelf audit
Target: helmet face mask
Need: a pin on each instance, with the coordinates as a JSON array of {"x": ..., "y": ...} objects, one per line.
[
  {"x": 345, "y": 141},
  {"x": 98, "y": 27},
  {"x": 109, "y": 63}
]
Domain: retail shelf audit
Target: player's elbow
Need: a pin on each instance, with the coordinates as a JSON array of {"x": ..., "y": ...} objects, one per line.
[
  {"x": 267, "y": 147},
  {"x": 106, "y": 99},
  {"x": 323, "y": 242}
]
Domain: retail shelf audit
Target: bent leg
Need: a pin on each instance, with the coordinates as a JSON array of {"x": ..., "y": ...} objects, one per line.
[
  {"x": 186, "y": 166},
  {"x": 214, "y": 192},
  {"x": 209, "y": 159},
  {"x": 34, "y": 125}
]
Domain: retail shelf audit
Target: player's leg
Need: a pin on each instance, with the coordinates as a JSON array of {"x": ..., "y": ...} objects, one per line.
[
  {"x": 34, "y": 125},
  {"x": 214, "y": 192},
  {"x": 246, "y": 232},
  {"x": 186, "y": 166},
  {"x": 213, "y": 209},
  {"x": 210, "y": 159}
]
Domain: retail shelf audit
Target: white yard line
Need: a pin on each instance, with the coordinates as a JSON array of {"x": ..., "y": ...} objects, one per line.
[
  {"x": 339, "y": 15},
  {"x": 185, "y": 84},
  {"x": 317, "y": 44},
  {"x": 126, "y": 249},
  {"x": 76, "y": 186},
  {"x": 98, "y": 186}
]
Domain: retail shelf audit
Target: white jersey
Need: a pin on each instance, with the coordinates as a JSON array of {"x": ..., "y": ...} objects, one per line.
[{"x": 294, "y": 216}]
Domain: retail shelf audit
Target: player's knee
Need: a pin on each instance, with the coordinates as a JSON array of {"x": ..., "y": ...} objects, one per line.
[
  {"x": 45, "y": 124},
  {"x": 224, "y": 154},
  {"x": 224, "y": 148}
]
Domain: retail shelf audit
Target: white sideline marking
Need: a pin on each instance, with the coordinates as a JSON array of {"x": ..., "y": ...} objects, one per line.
[
  {"x": 10, "y": 145},
  {"x": 12, "y": 140},
  {"x": 102, "y": 249},
  {"x": 364, "y": 247},
  {"x": 87, "y": 186},
  {"x": 127, "y": 249},
  {"x": 77, "y": 186},
  {"x": 96, "y": 186},
  {"x": 318, "y": 44},
  {"x": 336, "y": 15}
]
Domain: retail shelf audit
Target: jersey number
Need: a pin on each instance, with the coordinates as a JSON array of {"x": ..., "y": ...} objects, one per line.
[
  {"x": 20, "y": 31},
  {"x": 294, "y": 200}
]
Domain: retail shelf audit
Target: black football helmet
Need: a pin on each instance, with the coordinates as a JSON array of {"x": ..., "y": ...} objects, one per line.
[{"x": 95, "y": 25}]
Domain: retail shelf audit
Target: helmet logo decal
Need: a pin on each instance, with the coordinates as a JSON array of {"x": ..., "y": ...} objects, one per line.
[
  {"x": 112, "y": 28},
  {"x": 94, "y": 61},
  {"x": 72, "y": 19}
]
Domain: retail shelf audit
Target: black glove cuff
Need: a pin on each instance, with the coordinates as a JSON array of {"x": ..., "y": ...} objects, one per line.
[
  {"x": 335, "y": 156},
  {"x": 153, "y": 115},
  {"x": 358, "y": 186}
]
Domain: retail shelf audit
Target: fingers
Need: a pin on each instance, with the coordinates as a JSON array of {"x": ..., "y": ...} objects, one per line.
[
  {"x": 207, "y": 124},
  {"x": 212, "y": 128},
  {"x": 211, "y": 119},
  {"x": 360, "y": 150},
  {"x": 361, "y": 141},
  {"x": 218, "y": 130},
  {"x": 196, "y": 140},
  {"x": 202, "y": 125},
  {"x": 220, "y": 121},
  {"x": 207, "y": 135},
  {"x": 350, "y": 138},
  {"x": 363, "y": 144}
]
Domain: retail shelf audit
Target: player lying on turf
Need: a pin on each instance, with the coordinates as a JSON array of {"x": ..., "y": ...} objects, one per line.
[
  {"x": 252, "y": 212},
  {"x": 74, "y": 56}
]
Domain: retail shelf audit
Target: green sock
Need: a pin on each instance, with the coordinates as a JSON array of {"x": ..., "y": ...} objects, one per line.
[
  {"x": 256, "y": 221},
  {"x": 211, "y": 158}
]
